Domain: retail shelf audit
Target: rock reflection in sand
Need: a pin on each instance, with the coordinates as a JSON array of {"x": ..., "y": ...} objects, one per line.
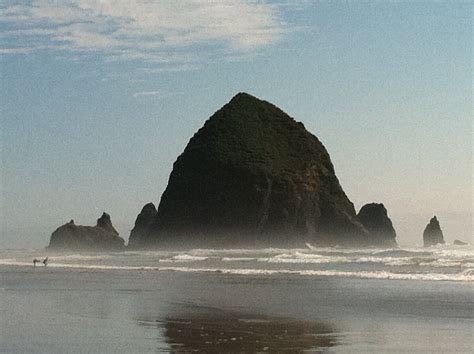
[{"x": 234, "y": 332}]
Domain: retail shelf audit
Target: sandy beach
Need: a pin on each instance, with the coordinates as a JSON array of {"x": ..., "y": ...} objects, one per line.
[{"x": 62, "y": 310}]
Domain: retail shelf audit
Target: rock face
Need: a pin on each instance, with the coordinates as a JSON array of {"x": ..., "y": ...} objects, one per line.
[
  {"x": 253, "y": 175},
  {"x": 103, "y": 236},
  {"x": 142, "y": 224},
  {"x": 375, "y": 219},
  {"x": 433, "y": 234}
]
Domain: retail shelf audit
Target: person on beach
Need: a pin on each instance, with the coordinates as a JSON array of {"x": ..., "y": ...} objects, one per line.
[{"x": 45, "y": 261}]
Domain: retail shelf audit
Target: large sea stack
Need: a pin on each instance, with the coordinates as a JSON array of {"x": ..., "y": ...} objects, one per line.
[
  {"x": 101, "y": 237},
  {"x": 433, "y": 234},
  {"x": 253, "y": 176},
  {"x": 375, "y": 219}
]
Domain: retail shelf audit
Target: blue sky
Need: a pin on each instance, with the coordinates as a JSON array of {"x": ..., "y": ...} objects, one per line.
[{"x": 98, "y": 98}]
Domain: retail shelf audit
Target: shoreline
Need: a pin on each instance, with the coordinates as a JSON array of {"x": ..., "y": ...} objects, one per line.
[{"x": 179, "y": 311}]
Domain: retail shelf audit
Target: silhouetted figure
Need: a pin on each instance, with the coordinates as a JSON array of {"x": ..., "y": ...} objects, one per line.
[
  {"x": 45, "y": 261},
  {"x": 35, "y": 261}
]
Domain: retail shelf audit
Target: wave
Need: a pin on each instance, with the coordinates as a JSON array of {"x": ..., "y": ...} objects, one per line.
[
  {"x": 237, "y": 259},
  {"x": 79, "y": 266},
  {"x": 386, "y": 261},
  {"x": 240, "y": 251},
  {"x": 311, "y": 258},
  {"x": 81, "y": 257},
  {"x": 184, "y": 258},
  {"x": 454, "y": 253},
  {"x": 301, "y": 258},
  {"x": 391, "y": 261},
  {"x": 318, "y": 259},
  {"x": 464, "y": 276},
  {"x": 401, "y": 253}
]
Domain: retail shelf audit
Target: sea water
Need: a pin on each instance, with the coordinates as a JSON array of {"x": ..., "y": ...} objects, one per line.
[{"x": 306, "y": 299}]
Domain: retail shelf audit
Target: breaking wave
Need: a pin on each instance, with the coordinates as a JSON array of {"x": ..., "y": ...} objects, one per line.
[
  {"x": 464, "y": 276},
  {"x": 441, "y": 263},
  {"x": 184, "y": 258}
]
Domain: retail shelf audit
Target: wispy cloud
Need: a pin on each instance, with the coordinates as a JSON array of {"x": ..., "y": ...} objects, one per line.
[
  {"x": 160, "y": 94},
  {"x": 160, "y": 32}
]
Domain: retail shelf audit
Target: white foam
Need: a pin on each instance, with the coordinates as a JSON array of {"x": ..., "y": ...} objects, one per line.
[
  {"x": 7, "y": 260},
  {"x": 184, "y": 258},
  {"x": 398, "y": 252},
  {"x": 433, "y": 263},
  {"x": 390, "y": 261},
  {"x": 14, "y": 262},
  {"x": 302, "y": 258},
  {"x": 442, "y": 263},
  {"x": 465, "y": 276},
  {"x": 79, "y": 266},
  {"x": 81, "y": 257},
  {"x": 390, "y": 257},
  {"x": 468, "y": 272},
  {"x": 454, "y": 253},
  {"x": 237, "y": 259},
  {"x": 239, "y": 251}
]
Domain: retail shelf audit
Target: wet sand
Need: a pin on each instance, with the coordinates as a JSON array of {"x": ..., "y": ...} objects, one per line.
[{"x": 53, "y": 310}]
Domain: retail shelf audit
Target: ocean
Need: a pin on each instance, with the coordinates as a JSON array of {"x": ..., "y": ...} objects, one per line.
[{"x": 239, "y": 300}]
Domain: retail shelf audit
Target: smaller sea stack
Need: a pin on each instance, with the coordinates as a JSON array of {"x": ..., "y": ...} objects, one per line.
[
  {"x": 433, "y": 234},
  {"x": 142, "y": 224},
  {"x": 101, "y": 237},
  {"x": 375, "y": 219},
  {"x": 459, "y": 243}
]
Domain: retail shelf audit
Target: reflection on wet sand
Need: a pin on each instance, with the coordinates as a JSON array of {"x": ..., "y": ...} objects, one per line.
[{"x": 236, "y": 332}]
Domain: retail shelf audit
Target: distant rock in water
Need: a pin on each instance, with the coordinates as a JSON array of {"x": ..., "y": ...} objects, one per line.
[
  {"x": 460, "y": 243},
  {"x": 142, "y": 224},
  {"x": 103, "y": 236},
  {"x": 433, "y": 234},
  {"x": 251, "y": 176},
  {"x": 375, "y": 219}
]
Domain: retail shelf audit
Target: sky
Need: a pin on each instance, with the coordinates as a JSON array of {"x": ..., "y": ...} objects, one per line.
[{"x": 98, "y": 98}]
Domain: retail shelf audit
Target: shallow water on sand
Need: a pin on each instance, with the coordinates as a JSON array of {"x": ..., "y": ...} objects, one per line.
[{"x": 238, "y": 300}]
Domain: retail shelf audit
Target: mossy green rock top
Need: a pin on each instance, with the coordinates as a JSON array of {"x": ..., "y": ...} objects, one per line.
[{"x": 252, "y": 175}]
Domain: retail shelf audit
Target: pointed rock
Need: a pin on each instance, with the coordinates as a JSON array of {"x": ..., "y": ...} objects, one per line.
[
  {"x": 375, "y": 219},
  {"x": 142, "y": 224},
  {"x": 106, "y": 223},
  {"x": 433, "y": 234},
  {"x": 253, "y": 175}
]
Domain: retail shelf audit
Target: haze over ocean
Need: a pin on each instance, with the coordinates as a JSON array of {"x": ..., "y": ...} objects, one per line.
[{"x": 99, "y": 98}]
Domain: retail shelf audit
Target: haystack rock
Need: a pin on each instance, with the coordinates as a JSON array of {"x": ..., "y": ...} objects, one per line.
[
  {"x": 433, "y": 234},
  {"x": 252, "y": 176},
  {"x": 375, "y": 219},
  {"x": 101, "y": 237},
  {"x": 142, "y": 224}
]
